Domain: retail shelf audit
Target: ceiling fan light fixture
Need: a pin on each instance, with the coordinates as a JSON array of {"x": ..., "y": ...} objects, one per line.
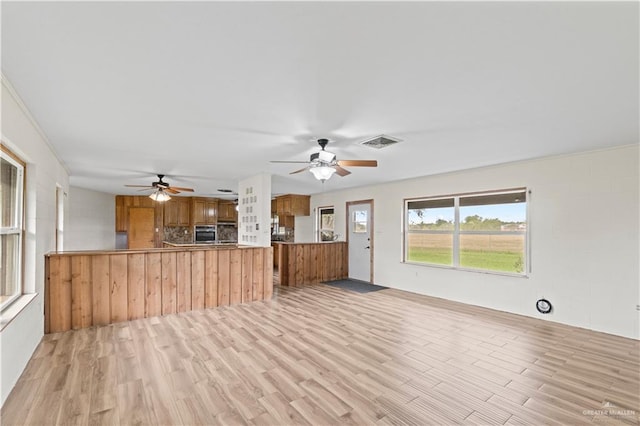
[
  {"x": 322, "y": 157},
  {"x": 160, "y": 196},
  {"x": 322, "y": 172}
]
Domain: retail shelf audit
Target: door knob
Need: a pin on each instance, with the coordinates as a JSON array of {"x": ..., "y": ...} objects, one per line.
[{"x": 367, "y": 247}]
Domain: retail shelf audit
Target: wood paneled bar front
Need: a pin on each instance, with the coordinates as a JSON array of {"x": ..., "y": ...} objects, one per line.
[
  {"x": 83, "y": 289},
  {"x": 312, "y": 263}
]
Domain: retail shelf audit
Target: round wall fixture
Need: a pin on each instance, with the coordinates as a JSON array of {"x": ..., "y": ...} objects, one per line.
[{"x": 543, "y": 306}]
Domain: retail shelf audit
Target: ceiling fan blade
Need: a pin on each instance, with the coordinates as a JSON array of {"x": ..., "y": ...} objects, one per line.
[
  {"x": 171, "y": 190},
  {"x": 341, "y": 172},
  {"x": 298, "y": 171},
  {"x": 180, "y": 188},
  {"x": 139, "y": 186},
  {"x": 144, "y": 189},
  {"x": 358, "y": 163},
  {"x": 277, "y": 161}
]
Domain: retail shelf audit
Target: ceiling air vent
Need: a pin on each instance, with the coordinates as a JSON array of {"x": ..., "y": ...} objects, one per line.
[{"x": 380, "y": 142}]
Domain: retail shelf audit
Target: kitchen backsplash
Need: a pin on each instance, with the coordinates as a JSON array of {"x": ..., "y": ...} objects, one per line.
[
  {"x": 227, "y": 233},
  {"x": 286, "y": 235},
  {"x": 184, "y": 234},
  {"x": 178, "y": 234}
]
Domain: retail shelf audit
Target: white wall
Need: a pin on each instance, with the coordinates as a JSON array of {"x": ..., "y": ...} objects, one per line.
[
  {"x": 254, "y": 210},
  {"x": 20, "y": 337},
  {"x": 92, "y": 220},
  {"x": 583, "y": 228}
]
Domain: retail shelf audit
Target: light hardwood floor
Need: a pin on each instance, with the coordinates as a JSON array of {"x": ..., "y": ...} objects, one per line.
[{"x": 323, "y": 356}]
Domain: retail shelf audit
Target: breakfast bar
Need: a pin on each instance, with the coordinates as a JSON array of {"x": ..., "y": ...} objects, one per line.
[
  {"x": 311, "y": 263},
  {"x": 88, "y": 288}
]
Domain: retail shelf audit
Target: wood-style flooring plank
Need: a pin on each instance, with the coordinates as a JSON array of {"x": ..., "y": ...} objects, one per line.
[{"x": 320, "y": 355}]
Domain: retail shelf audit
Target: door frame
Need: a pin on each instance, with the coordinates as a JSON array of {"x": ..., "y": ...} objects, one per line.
[{"x": 348, "y": 204}]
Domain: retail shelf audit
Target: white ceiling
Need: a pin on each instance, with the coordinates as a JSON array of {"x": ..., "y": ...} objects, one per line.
[{"x": 208, "y": 92}]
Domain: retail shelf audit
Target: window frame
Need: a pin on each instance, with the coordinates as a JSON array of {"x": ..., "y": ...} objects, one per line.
[
  {"x": 19, "y": 229},
  {"x": 319, "y": 227},
  {"x": 457, "y": 232}
]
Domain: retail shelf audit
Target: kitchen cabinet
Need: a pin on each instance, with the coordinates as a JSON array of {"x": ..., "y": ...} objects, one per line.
[
  {"x": 283, "y": 205},
  {"x": 204, "y": 211},
  {"x": 287, "y": 221},
  {"x": 227, "y": 211},
  {"x": 293, "y": 205},
  {"x": 124, "y": 203},
  {"x": 121, "y": 217},
  {"x": 276, "y": 253},
  {"x": 177, "y": 211}
]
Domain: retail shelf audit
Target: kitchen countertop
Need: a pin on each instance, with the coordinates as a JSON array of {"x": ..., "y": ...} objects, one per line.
[
  {"x": 200, "y": 245},
  {"x": 312, "y": 242},
  {"x": 168, "y": 248}
]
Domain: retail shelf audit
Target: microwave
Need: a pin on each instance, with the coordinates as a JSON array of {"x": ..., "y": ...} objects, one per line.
[{"x": 205, "y": 234}]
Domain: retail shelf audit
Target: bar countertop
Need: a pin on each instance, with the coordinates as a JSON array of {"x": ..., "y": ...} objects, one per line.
[
  {"x": 172, "y": 247},
  {"x": 194, "y": 245},
  {"x": 311, "y": 242}
]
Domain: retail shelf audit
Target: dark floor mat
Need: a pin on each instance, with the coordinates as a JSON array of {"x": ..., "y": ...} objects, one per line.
[{"x": 354, "y": 285}]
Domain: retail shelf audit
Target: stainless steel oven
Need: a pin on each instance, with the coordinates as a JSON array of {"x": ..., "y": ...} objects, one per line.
[{"x": 205, "y": 234}]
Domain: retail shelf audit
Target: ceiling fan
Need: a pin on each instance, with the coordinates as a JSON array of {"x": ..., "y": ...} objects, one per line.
[
  {"x": 225, "y": 194},
  {"x": 323, "y": 164},
  {"x": 161, "y": 188}
]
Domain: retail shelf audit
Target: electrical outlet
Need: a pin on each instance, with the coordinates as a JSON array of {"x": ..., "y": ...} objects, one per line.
[{"x": 637, "y": 307}]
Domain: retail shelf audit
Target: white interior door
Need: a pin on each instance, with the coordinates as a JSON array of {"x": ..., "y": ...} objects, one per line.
[{"x": 360, "y": 242}]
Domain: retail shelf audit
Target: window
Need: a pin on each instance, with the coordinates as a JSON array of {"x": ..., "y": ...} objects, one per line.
[
  {"x": 484, "y": 231},
  {"x": 11, "y": 195},
  {"x": 326, "y": 224},
  {"x": 359, "y": 222}
]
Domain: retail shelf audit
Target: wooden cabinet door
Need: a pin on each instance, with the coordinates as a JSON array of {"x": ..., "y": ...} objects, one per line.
[
  {"x": 222, "y": 211},
  {"x": 211, "y": 212},
  {"x": 292, "y": 205},
  {"x": 227, "y": 212},
  {"x": 232, "y": 214},
  {"x": 300, "y": 205},
  {"x": 198, "y": 212},
  {"x": 170, "y": 213},
  {"x": 280, "y": 207},
  {"x": 276, "y": 253},
  {"x": 286, "y": 221},
  {"x": 286, "y": 206},
  {"x": 184, "y": 210},
  {"x": 121, "y": 214},
  {"x": 141, "y": 233},
  {"x": 177, "y": 212}
]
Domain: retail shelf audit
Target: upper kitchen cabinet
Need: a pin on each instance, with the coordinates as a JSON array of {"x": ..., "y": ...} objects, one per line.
[
  {"x": 176, "y": 211},
  {"x": 227, "y": 211},
  {"x": 293, "y": 205},
  {"x": 204, "y": 211}
]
